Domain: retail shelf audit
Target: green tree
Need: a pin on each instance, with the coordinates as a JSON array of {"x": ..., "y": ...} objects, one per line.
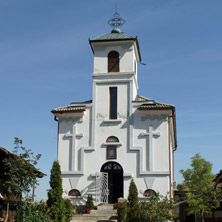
[
  {"x": 133, "y": 211},
  {"x": 55, "y": 201},
  {"x": 89, "y": 202},
  {"x": 68, "y": 210},
  {"x": 199, "y": 180},
  {"x": 157, "y": 208},
  {"x": 20, "y": 174}
]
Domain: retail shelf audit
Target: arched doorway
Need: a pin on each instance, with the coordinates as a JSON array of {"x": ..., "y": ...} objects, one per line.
[{"x": 115, "y": 180}]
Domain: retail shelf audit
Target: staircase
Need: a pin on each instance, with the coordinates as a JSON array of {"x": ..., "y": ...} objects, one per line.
[{"x": 104, "y": 213}]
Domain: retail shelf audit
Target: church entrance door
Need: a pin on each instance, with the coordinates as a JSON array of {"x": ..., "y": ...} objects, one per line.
[{"x": 115, "y": 180}]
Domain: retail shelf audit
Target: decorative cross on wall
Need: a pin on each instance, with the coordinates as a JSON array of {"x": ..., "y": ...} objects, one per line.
[
  {"x": 73, "y": 166},
  {"x": 149, "y": 148}
]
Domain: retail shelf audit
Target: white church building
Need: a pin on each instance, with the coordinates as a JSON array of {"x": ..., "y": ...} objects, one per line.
[{"x": 118, "y": 135}]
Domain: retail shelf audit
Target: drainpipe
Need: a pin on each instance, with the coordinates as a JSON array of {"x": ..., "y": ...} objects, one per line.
[
  {"x": 169, "y": 156},
  {"x": 170, "y": 167},
  {"x": 57, "y": 120}
]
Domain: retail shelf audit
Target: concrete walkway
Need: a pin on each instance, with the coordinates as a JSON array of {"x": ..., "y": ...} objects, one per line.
[{"x": 104, "y": 213}]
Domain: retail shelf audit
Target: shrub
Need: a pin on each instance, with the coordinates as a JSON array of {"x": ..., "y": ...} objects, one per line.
[
  {"x": 157, "y": 208},
  {"x": 68, "y": 210},
  {"x": 89, "y": 202},
  {"x": 122, "y": 211},
  {"x": 29, "y": 212},
  {"x": 133, "y": 211},
  {"x": 81, "y": 209}
]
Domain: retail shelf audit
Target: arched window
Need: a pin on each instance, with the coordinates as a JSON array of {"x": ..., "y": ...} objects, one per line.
[
  {"x": 113, "y": 61},
  {"x": 149, "y": 193},
  {"x": 74, "y": 193},
  {"x": 112, "y": 139}
]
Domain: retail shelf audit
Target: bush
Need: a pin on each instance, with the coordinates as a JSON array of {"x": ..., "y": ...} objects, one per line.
[
  {"x": 89, "y": 202},
  {"x": 133, "y": 211},
  {"x": 122, "y": 211},
  {"x": 156, "y": 208},
  {"x": 81, "y": 209},
  {"x": 29, "y": 212},
  {"x": 68, "y": 210}
]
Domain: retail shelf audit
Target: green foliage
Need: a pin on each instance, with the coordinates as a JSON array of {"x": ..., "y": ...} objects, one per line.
[
  {"x": 81, "y": 209},
  {"x": 20, "y": 173},
  {"x": 133, "y": 212},
  {"x": 89, "y": 202},
  {"x": 68, "y": 210},
  {"x": 122, "y": 211},
  {"x": 157, "y": 208},
  {"x": 55, "y": 201},
  {"x": 198, "y": 180},
  {"x": 29, "y": 212}
]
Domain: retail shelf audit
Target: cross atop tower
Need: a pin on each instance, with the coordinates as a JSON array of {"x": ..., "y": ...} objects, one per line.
[{"x": 116, "y": 21}]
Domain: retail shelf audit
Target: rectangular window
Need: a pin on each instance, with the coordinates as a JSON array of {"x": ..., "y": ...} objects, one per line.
[
  {"x": 113, "y": 103},
  {"x": 111, "y": 152}
]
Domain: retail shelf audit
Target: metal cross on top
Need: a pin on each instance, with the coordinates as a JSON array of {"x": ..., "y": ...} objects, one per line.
[{"x": 116, "y": 20}]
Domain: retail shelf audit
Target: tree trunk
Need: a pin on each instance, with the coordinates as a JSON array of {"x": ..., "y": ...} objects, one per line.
[
  {"x": 7, "y": 212},
  {"x": 195, "y": 217},
  {"x": 202, "y": 216}
]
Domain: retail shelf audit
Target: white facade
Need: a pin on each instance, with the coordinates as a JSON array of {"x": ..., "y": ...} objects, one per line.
[{"x": 145, "y": 130}]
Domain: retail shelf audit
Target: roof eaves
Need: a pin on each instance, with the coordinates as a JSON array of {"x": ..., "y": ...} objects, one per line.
[
  {"x": 8, "y": 153},
  {"x": 154, "y": 107},
  {"x": 67, "y": 111},
  {"x": 138, "y": 49},
  {"x": 91, "y": 45},
  {"x": 111, "y": 40}
]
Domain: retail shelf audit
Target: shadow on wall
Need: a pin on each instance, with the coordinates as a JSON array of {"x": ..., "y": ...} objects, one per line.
[{"x": 89, "y": 190}]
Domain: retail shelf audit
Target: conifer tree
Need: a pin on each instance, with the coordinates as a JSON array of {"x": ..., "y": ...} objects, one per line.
[
  {"x": 55, "y": 201},
  {"x": 133, "y": 212}
]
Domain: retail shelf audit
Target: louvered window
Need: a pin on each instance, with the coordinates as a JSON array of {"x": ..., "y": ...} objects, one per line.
[{"x": 113, "y": 61}]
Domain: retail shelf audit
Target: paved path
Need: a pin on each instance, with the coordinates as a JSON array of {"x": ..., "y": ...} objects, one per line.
[{"x": 104, "y": 213}]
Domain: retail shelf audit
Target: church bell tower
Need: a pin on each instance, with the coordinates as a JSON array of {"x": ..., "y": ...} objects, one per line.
[{"x": 118, "y": 135}]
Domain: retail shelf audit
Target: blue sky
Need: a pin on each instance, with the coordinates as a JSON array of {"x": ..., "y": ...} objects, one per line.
[{"x": 46, "y": 62}]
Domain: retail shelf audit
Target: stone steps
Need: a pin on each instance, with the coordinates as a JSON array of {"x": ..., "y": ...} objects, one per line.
[{"x": 104, "y": 213}]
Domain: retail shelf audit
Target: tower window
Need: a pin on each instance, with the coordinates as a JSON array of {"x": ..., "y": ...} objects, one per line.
[
  {"x": 113, "y": 61},
  {"x": 113, "y": 103}
]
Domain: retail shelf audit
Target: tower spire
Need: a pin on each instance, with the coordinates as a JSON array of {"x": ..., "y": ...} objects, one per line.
[{"x": 116, "y": 6}]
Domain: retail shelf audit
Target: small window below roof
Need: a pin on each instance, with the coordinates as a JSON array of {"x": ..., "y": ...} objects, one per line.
[{"x": 113, "y": 61}]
